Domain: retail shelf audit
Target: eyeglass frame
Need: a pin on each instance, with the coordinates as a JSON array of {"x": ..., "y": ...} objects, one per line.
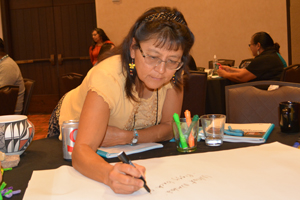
[
  {"x": 180, "y": 64},
  {"x": 251, "y": 44}
]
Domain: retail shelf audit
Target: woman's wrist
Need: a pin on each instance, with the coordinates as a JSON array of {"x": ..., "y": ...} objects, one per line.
[
  {"x": 135, "y": 137},
  {"x": 127, "y": 137}
]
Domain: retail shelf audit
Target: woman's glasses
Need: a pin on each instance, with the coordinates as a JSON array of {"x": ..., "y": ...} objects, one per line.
[{"x": 155, "y": 61}]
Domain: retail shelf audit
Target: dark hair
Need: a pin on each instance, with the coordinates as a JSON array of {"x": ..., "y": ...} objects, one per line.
[
  {"x": 1, "y": 45},
  {"x": 265, "y": 41},
  {"x": 168, "y": 27},
  {"x": 102, "y": 35},
  {"x": 104, "y": 48}
]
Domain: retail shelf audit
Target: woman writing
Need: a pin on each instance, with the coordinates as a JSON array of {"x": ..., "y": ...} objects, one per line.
[
  {"x": 267, "y": 64},
  {"x": 99, "y": 38},
  {"x": 130, "y": 97}
]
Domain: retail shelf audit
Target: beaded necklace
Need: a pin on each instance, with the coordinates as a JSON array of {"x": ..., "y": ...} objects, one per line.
[{"x": 3, "y": 58}]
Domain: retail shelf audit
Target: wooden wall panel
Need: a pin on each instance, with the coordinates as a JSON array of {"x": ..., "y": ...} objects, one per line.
[
  {"x": 21, "y": 4},
  {"x": 295, "y": 30},
  {"x": 43, "y": 29}
]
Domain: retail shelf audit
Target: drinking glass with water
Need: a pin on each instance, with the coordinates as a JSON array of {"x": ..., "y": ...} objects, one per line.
[{"x": 213, "y": 128}]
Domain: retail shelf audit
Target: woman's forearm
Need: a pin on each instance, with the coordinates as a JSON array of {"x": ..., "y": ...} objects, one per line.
[
  {"x": 158, "y": 133},
  {"x": 90, "y": 164}
]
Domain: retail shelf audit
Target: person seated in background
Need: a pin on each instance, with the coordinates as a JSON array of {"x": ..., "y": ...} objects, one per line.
[
  {"x": 10, "y": 74},
  {"x": 267, "y": 64},
  {"x": 105, "y": 48},
  {"x": 129, "y": 97},
  {"x": 99, "y": 38}
]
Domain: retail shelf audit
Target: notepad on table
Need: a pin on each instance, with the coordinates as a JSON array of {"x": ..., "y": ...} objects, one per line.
[
  {"x": 253, "y": 132},
  {"x": 112, "y": 152}
]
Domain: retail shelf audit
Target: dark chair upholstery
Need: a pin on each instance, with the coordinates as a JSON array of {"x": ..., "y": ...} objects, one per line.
[
  {"x": 227, "y": 62},
  {"x": 29, "y": 85},
  {"x": 245, "y": 103},
  {"x": 245, "y": 63},
  {"x": 71, "y": 81},
  {"x": 8, "y": 99},
  {"x": 291, "y": 74},
  {"x": 195, "y": 93}
]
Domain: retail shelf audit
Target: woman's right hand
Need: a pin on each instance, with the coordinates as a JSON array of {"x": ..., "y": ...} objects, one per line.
[
  {"x": 124, "y": 178},
  {"x": 225, "y": 67}
]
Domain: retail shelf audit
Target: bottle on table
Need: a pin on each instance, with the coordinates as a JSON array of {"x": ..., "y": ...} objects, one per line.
[{"x": 215, "y": 63}]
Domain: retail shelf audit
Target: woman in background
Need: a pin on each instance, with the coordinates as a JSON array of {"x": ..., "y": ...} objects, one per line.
[
  {"x": 267, "y": 64},
  {"x": 104, "y": 49},
  {"x": 99, "y": 38}
]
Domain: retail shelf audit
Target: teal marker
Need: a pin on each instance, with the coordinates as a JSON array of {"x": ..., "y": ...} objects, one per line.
[
  {"x": 194, "y": 120},
  {"x": 181, "y": 136}
]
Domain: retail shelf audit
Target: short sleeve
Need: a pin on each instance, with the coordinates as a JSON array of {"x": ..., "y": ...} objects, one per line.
[
  {"x": 107, "y": 82},
  {"x": 256, "y": 66}
]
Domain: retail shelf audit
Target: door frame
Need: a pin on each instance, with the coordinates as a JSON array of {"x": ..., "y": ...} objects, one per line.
[{"x": 39, "y": 101}]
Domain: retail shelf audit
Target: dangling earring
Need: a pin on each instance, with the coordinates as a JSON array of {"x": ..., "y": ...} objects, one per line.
[
  {"x": 257, "y": 52},
  {"x": 173, "y": 79},
  {"x": 131, "y": 67}
]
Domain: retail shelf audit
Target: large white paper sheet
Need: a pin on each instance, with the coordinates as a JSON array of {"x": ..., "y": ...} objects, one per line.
[{"x": 268, "y": 171}]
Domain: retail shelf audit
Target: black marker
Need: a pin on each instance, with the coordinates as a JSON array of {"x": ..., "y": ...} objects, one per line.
[{"x": 125, "y": 159}]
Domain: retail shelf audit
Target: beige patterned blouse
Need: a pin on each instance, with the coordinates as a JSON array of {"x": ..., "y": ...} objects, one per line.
[{"x": 108, "y": 81}]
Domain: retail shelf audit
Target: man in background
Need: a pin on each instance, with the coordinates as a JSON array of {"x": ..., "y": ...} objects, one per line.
[{"x": 10, "y": 74}]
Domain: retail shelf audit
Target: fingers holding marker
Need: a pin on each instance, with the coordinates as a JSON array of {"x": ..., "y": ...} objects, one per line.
[
  {"x": 123, "y": 179},
  {"x": 125, "y": 159}
]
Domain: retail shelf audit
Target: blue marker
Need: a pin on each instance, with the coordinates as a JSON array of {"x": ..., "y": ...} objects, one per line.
[
  {"x": 296, "y": 145},
  {"x": 233, "y": 132}
]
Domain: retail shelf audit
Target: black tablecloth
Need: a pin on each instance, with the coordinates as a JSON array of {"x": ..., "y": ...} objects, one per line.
[
  {"x": 215, "y": 95},
  {"x": 47, "y": 154}
]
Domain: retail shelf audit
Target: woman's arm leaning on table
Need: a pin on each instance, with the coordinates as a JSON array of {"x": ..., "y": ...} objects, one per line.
[
  {"x": 93, "y": 132},
  {"x": 235, "y": 75},
  {"x": 92, "y": 128}
]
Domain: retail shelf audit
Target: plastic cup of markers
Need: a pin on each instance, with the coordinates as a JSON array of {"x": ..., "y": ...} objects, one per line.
[{"x": 186, "y": 137}]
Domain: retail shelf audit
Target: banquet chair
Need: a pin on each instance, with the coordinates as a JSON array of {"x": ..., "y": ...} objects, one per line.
[
  {"x": 227, "y": 62},
  {"x": 244, "y": 63},
  {"x": 70, "y": 81},
  {"x": 29, "y": 85},
  {"x": 8, "y": 99},
  {"x": 246, "y": 103},
  {"x": 291, "y": 74},
  {"x": 194, "y": 93}
]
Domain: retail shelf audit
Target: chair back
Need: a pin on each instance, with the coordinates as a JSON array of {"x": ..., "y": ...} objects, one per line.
[
  {"x": 71, "y": 81},
  {"x": 291, "y": 74},
  {"x": 245, "y": 103},
  {"x": 29, "y": 85},
  {"x": 245, "y": 63},
  {"x": 227, "y": 62},
  {"x": 8, "y": 99},
  {"x": 195, "y": 93}
]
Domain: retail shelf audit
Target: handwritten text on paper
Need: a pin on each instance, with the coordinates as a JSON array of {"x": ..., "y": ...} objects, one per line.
[{"x": 175, "y": 184}]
